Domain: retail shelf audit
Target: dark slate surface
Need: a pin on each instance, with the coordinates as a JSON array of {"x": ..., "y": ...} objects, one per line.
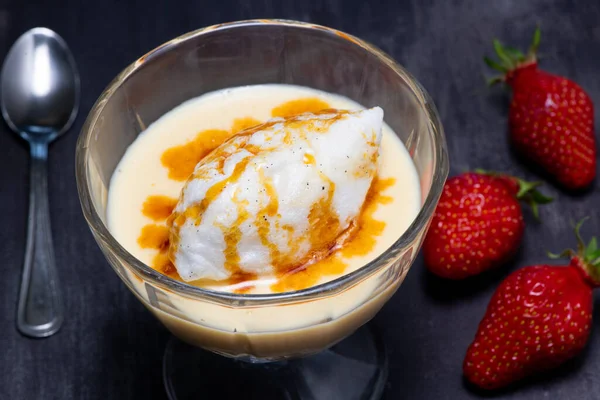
[{"x": 111, "y": 348}]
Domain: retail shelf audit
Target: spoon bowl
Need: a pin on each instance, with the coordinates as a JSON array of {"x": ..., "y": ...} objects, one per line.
[
  {"x": 40, "y": 99},
  {"x": 40, "y": 86}
]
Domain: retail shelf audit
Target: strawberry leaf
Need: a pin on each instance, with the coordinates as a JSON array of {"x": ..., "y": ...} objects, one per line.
[
  {"x": 564, "y": 254},
  {"x": 531, "y": 196},
  {"x": 581, "y": 248},
  {"x": 526, "y": 187},
  {"x": 535, "y": 43},
  {"x": 511, "y": 58},
  {"x": 592, "y": 247},
  {"x": 540, "y": 198},
  {"x": 588, "y": 256},
  {"x": 592, "y": 252},
  {"x": 515, "y": 53},
  {"x": 495, "y": 80},
  {"x": 495, "y": 65},
  {"x": 506, "y": 59}
]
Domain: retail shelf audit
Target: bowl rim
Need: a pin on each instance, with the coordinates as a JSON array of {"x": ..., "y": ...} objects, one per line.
[{"x": 418, "y": 226}]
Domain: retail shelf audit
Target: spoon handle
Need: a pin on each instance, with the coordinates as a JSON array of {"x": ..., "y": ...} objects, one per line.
[{"x": 39, "y": 311}]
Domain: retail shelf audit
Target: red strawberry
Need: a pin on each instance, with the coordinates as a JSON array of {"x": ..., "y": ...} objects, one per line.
[
  {"x": 478, "y": 223},
  {"x": 551, "y": 117},
  {"x": 539, "y": 317}
]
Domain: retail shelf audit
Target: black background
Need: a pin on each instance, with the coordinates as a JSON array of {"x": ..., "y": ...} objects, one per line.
[{"x": 110, "y": 347}]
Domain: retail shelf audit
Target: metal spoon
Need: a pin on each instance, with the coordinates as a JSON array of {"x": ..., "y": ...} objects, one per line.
[{"x": 40, "y": 99}]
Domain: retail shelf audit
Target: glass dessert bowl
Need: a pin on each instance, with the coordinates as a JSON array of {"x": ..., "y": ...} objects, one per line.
[{"x": 263, "y": 328}]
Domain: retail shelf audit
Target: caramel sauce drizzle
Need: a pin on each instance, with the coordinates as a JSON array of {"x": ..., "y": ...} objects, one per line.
[
  {"x": 323, "y": 222},
  {"x": 162, "y": 263},
  {"x": 158, "y": 208},
  {"x": 196, "y": 211},
  {"x": 299, "y": 106},
  {"x": 232, "y": 238},
  {"x": 262, "y": 221},
  {"x": 368, "y": 227},
  {"x": 324, "y": 259},
  {"x": 361, "y": 238},
  {"x": 181, "y": 160},
  {"x": 154, "y": 236},
  {"x": 309, "y": 159},
  {"x": 240, "y": 124}
]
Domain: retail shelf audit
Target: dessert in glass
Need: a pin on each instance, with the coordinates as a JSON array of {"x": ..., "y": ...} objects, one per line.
[{"x": 263, "y": 188}]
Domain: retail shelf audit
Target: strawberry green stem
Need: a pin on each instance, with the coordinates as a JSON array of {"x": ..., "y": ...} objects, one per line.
[
  {"x": 510, "y": 59},
  {"x": 526, "y": 191},
  {"x": 587, "y": 255},
  {"x": 535, "y": 43}
]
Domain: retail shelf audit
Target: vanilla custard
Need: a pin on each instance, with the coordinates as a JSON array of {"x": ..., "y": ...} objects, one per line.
[{"x": 254, "y": 234}]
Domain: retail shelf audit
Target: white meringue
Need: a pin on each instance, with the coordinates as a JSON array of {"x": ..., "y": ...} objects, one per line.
[{"x": 276, "y": 195}]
